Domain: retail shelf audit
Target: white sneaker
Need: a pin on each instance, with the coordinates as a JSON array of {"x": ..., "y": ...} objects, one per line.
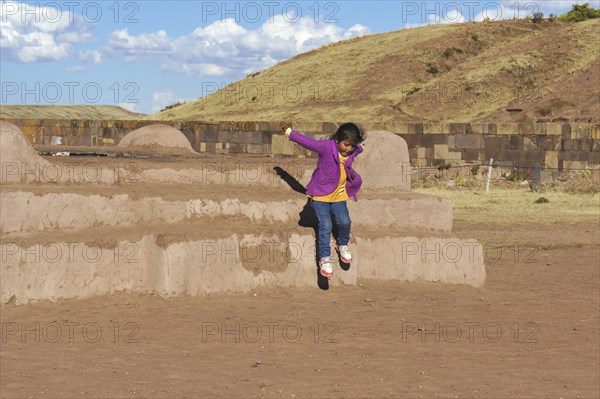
[
  {"x": 345, "y": 254},
  {"x": 325, "y": 267}
]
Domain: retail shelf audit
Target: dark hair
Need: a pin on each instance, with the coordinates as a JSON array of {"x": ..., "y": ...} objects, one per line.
[{"x": 350, "y": 132}]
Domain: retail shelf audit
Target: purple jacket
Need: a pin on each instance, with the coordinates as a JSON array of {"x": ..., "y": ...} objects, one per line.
[{"x": 326, "y": 176}]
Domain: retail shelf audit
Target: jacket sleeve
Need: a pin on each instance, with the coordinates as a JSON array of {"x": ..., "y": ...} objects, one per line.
[
  {"x": 358, "y": 150},
  {"x": 307, "y": 142}
]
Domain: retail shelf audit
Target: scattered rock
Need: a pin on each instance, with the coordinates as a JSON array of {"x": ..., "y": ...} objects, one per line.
[{"x": 542, "y": 200}]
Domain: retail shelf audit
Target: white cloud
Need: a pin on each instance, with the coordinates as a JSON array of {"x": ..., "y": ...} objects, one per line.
[
  {"x": 452, "y": 16},
  {"x": 194, "y": 69},
  {"x": 30, "y": 33},
  {"x": 355, "y": 31},
  {"x": 161, "y": 99},
  {"x": 121, "y": 42},
  {"x": 90, "y": 56},
  {"x": 132, "y": 107},
  {"x": 226, "y": 48}
]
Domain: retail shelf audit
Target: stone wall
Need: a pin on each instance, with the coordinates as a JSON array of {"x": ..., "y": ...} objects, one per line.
[{"x": 550, "y": 145}]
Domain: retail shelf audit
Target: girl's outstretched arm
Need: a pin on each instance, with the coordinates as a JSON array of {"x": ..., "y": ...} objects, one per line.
[
  {"x": 359, "y": 148},
  {"x": 306, "y": 142}
]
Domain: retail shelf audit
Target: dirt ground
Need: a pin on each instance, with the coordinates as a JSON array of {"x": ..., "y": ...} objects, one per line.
[{"x": 532, "y": 331}]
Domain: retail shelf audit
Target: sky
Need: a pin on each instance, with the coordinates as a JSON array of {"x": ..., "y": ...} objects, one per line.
[{"x": 145, "y": 55}]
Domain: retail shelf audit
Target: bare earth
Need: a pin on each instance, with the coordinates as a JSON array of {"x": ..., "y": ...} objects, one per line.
[{"x": 531, "y": 332}]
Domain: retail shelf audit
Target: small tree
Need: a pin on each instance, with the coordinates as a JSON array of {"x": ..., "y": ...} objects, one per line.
[
  {"x": 538, "y": 17},
  {"x": 580, "y": 13}
]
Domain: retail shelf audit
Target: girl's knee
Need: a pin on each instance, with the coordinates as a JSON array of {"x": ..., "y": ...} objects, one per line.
[
  {"x": 344, "y": 223},
  {"x": 325, "y": 225}
]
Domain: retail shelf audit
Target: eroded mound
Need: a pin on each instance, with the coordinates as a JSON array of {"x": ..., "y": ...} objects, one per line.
[
  {"x": 156, "y": 135},
  {"x": 385, "y": 163},
  {"x": 16, "y": 153}
]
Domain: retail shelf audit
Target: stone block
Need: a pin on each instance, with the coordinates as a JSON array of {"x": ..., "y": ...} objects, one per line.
[
  {"x": 435, "y": 128},
  {"x": 266, "y": 137},
  {"x": 440, "y": 151},
  {"x": 415, "y": 128},
  {"x": 529, "y": 143},
  {"x": 429, "y": 140},
  {"x": 533, "y": 156},
  {"x": 277, "y": 143},
  {"x": 495, "y": 145},
  {"x": 479, "y": 128},
  {"x": 330, "y": 127},
  {"x": 515, "y": 142},
  {"x": 568, "y": 156},
  {"x": 451, "y": 140},
  {"x": 245, "y": 137},
  {"x": 553, "y": 129},
  {"x": 412, "y": 140},
  {"x": 541, "y": 129},
  {"x": 256, "y": 149},
  {"x": 473, "y": 155},
  {"x": 549, "y": 143},
  {"x": 472, "y": 141},
  {"x": 507, "y": 128},
  {"x": 397, "y": 127},
  {"x": 454, "y": 155},
  {"x": 457, "y": 128},
  {"x": 307, "y": 126},
  {"x": 567, "y": 165},
  {"x": 526, "y": 128},
  {"x": 226, "y": 126}
]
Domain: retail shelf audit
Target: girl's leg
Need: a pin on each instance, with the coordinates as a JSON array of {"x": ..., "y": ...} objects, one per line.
[
  {"x": 322, "y": 211},
  {"x": 341, "y": 215}
]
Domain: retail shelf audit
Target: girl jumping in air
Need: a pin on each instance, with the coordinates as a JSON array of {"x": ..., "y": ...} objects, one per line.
[{"x": 332, "y": 183}]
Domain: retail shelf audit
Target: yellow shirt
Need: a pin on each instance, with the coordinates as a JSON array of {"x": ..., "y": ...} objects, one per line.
[{"x": 339, "y": 194}]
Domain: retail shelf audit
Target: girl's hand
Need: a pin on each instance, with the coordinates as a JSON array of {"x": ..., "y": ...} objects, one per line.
[{"x": 287, "y": 130}]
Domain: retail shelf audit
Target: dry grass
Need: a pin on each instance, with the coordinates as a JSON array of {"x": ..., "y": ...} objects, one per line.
[
  {"x": 67, "y": 112},
  {"x": 517, "y": 206},
  {"x": 367, "y": 79}
]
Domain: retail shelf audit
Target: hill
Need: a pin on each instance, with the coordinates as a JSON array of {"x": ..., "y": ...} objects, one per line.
[
  {"x": 466, "y": 72},
  {"x": 66, "y": 112}
]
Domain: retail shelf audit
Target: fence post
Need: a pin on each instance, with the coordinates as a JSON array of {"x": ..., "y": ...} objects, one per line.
[{"x": 489, "y": 176}]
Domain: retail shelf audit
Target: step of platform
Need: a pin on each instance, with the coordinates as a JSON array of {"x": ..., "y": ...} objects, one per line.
[
  {"x": 47, "y": 208},
  {"x": 207, "y": 258}
]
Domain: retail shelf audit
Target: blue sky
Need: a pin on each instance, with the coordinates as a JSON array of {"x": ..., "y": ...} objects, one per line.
[{"x": 144, "y": 55}]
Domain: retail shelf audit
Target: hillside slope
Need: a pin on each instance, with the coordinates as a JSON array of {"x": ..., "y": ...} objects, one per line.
[
  {"x": 66, "y": 112},
  {"x": 456, "y": 73}
]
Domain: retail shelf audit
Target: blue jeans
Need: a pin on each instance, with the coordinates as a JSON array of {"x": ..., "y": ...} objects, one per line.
[{"x": 323, "y": 212}]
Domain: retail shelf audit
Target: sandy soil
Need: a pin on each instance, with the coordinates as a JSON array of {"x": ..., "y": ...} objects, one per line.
[{"x": 531, "y": 332}]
